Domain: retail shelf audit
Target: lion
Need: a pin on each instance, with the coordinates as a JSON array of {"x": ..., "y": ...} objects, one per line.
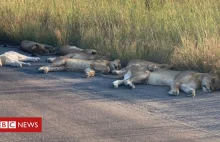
[
  {"x": 80, "y": 55},
  {"x": 66, "y": 49},
  {"x": 44, "y": 49},
  {"x": 88, "y": 66},
  {"x": 187, "y": 81},
  {"x": 36, "y": 48},
  {"x": 15, "y": 59},
  {"x": 138, "y": 62}
]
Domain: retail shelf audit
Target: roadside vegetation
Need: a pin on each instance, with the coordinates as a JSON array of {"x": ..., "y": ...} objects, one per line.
[{"x": 183, "y": 32}]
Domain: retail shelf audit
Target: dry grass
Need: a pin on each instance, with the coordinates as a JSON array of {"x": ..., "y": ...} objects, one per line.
[
  {"x": 193, "y": 56},
  {"x": 184, "y": 32}
]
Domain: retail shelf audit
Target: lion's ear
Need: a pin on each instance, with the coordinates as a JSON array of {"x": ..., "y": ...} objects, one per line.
[
  {"x": 213, "y": 72},
  {"x": 151, "y": 67},
  {"x": 118, "y": 60},
  {"x": 94, "y": 52},
  {"x": 213, "y": 80}
]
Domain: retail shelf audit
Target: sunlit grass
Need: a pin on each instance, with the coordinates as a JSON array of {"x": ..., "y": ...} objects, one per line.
[{"x": 184, "y": 32}]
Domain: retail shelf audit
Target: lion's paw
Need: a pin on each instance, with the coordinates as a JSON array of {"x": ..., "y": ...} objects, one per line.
[
  {"x": 174, "y": 92},
  {"x": 41, "y": 69},
  {"x": 28, "y": 64},
  {"x": 126, "y": 82},
  {"x": 129, "y": 83},
  {"x": 114, "y": 85},
  {"x": 132, "y": 86},
  {"x": 19, "y": 65},
  {"x": 114, "y": 71},
  {"x": 44, "y": 69},
  {"x": 38, "y": 59},
  {"x": 50, "y": 60},
  {"x": 89, "y": 73},
  {"x": 35, "y": 59},
  {"x": 192, "y": 93}
]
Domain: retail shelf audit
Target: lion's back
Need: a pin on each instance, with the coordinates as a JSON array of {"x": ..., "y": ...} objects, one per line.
[{"x": 76, "y": 64}]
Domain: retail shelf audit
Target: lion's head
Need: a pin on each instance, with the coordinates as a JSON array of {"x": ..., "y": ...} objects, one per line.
[
  {"x": 90, "y": 51},
  {"x": 210, "y": 83},
  {"x": 152, "y": 67},
  {"x": 115, "y": 65},
  {"x": 39, "y": 49}
]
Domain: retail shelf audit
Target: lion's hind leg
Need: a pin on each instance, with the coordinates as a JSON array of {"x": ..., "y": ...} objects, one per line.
[
  {"x": 25, "y": 64},
  {"x": 122, "y": 71},
  {"x": 117, "y": 83},
  {"x": 47, "y": 69},
  {"x": 26, "y": 58},
  {"x": 22, "y": 57},
  {"x": 187, "y": 89},
  {"x": 174, "y": 89},
  {"x": 58, "y": 62},
  {"x": 16, "y": 63},
  {"x": 32, "y": 59},
  {"x": 129, "y": 83},
  {"x": 137, "y": 78},
  {"x": 126, "y": 78}
]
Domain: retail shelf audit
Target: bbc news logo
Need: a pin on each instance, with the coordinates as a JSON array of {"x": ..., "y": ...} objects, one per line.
[
  {"x": 20, "y": 124},
  {"x": 8, "y": 124}
]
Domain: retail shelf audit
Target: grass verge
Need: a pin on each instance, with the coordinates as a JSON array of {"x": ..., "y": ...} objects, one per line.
[{"x": 185, "y": 33}]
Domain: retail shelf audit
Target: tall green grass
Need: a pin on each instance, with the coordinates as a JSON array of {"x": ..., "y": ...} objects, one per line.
[{"x": 182, "y": 32}]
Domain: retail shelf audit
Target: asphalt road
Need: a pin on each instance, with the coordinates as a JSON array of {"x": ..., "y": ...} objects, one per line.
[{"x": 78, "y": 109}]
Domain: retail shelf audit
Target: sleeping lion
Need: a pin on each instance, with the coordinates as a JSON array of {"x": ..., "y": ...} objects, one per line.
[
  {"x": 80, "y": 55},
  {"x": 186, "y": 81},
  {"x": 66, "y": 49},
  {"x": 149, "y": 66},
  {"x": 44, "y": 49},
  {"x": 88, "y": 66},
  {"x": 15, "y": 59},
  {"x": 36, "y": 48},
  {"x": 142, "y": 63}
]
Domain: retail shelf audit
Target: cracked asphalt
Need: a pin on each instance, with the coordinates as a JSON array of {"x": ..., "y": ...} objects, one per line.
[{"x": 76, "y": 109}]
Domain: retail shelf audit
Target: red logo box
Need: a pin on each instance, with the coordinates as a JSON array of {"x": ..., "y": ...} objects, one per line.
[{"x": 20, "y": 124}]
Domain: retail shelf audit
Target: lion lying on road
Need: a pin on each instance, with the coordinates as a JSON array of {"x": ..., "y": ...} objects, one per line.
[
  {"x": 187, "y": 81},
  {"x": 88, "y": 66},
  {"x": 140, "y": 63},
  {"x": 44, "y": 49},
  {"x": 15, "y": 59},
  {"x": 66, "y": 49},
  {"x": 36, "y": 48},
  {"x": 80, "y": 55}
]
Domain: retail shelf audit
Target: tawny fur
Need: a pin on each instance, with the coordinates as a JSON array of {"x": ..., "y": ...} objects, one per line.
[
  {"x": 140, "y": 63},
  {"x": 80, "y": 55},
  {"x": 68, "y": 64},
  {"x": 187, "y": 81},
  {"x": 15, "y": 59},
  {"x": 44, "y": 49},
  {"x": 36, "y": 48},
  {"x": 66, "y": 49}
]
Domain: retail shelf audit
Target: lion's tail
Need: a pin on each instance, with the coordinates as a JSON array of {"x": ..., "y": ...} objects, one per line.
[
  {"x": 113, "y": 76},
  {"x": 48, "y": 54}
]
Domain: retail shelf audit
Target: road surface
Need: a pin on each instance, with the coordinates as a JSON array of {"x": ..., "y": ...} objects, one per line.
[{"x": 76, "y": 109}]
